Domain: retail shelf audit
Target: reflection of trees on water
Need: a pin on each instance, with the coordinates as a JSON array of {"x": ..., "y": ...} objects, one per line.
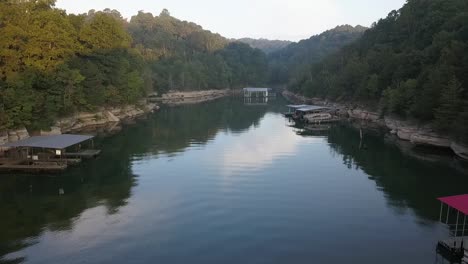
[
  {"x": 173, "y": 130},
  {"x": 31, "y": 204},
  {"x": 406, "y": 181}
]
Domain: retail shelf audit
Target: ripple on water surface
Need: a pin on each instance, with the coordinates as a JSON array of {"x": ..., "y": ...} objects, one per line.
[{"x": 228, "y": 183}]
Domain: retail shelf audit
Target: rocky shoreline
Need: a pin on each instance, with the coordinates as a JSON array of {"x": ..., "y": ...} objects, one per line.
[
  {"x": 104, "y": 119},
  {"x": 411, "y": 131},
  {"x": 174, "y": 98},
  {"x": 110, "y": 119}
]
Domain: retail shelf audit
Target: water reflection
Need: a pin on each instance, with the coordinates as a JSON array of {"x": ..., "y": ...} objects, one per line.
[
  {"x": 261, "y": 147},
  {"x": 32, "y": 204},
  {"x": 253, "y": 101},
  {"x": 243, "y": 175},
  {"x": 407, "y": 180}
]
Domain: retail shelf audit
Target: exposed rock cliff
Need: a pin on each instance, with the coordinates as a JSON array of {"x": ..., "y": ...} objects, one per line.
[
  {"x": 107, "y": 118},
  {"x": 102, "y": 118},
  {"x": 460, "y": 149},
  {"x": 13, "y": 135},
  {"x": 193, "y": 97}
]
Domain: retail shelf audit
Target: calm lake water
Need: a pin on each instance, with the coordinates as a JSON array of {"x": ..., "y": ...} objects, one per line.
[{"x": 225, "y": 182}]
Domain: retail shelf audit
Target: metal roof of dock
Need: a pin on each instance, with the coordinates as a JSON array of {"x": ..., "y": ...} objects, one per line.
[
  {"x": 312, "y": 108},
  {"x": 52, "y": 142},
  {"x": 459, "y": 202},
  {"x": 297, "y": 106},
  {"x": 253, "y": 89}
]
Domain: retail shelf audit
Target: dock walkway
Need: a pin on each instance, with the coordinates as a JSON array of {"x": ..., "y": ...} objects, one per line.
[
  {"x": 35, "y": 167},
  {"x": 85, "y": 154}
]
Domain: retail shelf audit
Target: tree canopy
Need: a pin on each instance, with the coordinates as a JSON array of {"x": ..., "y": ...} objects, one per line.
[
  {"x": 287, "y": 64},
  {"x": 413, "y": 63},
  {"x": 265, "y": 45},
  {"x": 53, "y": 64}
]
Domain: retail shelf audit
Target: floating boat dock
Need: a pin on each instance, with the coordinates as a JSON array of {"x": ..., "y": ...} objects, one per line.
[
  {"x": 455, "y": 247},
  {"x": 312, "y": 114},
  {"x": 292, "y": 109},
  {"x": 46, "y": 153}
]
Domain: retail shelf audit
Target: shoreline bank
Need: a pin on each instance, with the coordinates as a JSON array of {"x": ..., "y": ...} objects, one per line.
[
  {"x": 111, "y": 119},
  {"x": 174, "y": 98},
  {"x": 417, "y": 134}
]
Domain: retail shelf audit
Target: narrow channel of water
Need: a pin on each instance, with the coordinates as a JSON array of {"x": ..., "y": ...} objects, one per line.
[{"x": 224, "y": 182}]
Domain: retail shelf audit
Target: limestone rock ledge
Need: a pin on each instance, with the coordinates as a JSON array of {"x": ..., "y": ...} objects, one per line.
[
  {"x": 173, "y": 98},
  {"x": 363, "y": 115},
  {"x": 13, "y": 135},
  {"x": 460, "y": 149},
  {"x": 430, "y": 139},
  {"x": 106, "y": 118}
]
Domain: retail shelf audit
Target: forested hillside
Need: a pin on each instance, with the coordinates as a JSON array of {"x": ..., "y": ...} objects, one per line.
[
  {"x": 287, "y": 64},
  {"x": 53, "y": 64},
  {"x": 414, "y": 63},
  {"x": 266, "y": 45},
  {"x": 183, "y": 56}
]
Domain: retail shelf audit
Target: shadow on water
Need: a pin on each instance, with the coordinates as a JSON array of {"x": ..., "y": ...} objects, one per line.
[
  {"x": 409, "y": 177},
  {"x": 31, "y": 204}
]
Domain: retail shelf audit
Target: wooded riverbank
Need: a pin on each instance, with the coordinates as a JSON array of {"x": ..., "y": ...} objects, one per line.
[
  {"x": 407, "y": 130},
  {"x": 110, "y": 119}
]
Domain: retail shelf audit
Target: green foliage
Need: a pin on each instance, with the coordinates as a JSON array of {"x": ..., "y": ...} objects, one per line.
[
  {"x": 450, "y": 105},
  {"x": 265, "y": 45},
  {"x": 413, "y": 63},
  {"x": 397, "y": 99},
  {"x": 103, "y": 32},
  {"x": 53, "y": 64},
  {"x": 183, "y": 56},
  {"x": 287, "y": 65},
  {"x": 461, "y": 128}
]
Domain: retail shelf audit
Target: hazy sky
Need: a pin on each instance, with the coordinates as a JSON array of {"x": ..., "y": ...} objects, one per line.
[{"x": 272, "y": 19}]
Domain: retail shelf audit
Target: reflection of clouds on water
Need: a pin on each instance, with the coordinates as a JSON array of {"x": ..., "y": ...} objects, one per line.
[
  {"x": 91, "y": 229},
  {"x": 260, "y": 146},
  {"x": 96, "y": 234}
]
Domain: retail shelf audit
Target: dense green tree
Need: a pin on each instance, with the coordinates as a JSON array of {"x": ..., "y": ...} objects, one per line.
[
  {"x": 103, "y": 32},
  {"x": 265, "y": 45},
  {"x": 412, "y": 63},
  {"x": 290, "y": 63},
  {"x": 184, "y": 56},
  {"x": 53, "y": 64},
  {"x": 449, "y": 106}
]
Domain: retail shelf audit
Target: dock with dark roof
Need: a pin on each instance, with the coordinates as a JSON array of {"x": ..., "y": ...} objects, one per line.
[{"x": 46, "y": 153}]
